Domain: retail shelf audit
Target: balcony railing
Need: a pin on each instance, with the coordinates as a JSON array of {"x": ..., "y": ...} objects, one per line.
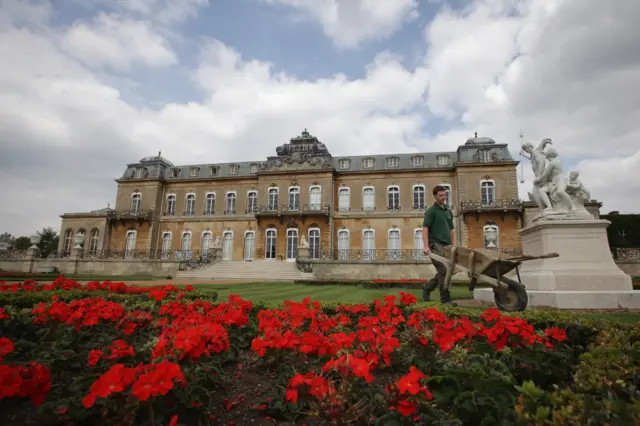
[
  {"x": 130, "y": 214},
  {"x": 482, "y": 205},
  {"x": 323, "y": 208},
  {"x": 367, "y": 254}
]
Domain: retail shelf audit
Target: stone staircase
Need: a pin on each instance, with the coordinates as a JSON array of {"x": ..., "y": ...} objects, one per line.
[{"x": 256, "y": 270}]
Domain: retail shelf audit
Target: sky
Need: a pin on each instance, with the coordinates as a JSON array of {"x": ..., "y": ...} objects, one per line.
[{"x": 89, "y": 86}]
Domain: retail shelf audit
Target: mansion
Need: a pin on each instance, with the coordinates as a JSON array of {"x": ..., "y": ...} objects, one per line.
[{"x": 262, "y": 209}]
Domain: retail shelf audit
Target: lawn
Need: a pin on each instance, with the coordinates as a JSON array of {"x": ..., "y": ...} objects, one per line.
[{"x": 276, "y": 293}]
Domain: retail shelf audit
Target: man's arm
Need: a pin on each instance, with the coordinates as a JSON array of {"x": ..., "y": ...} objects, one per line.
[
  {"x": 452, "y": 229},
  {"x": 425, "y": 238},
  {"x": 453, "y": 238},
  {"x": 545, "y": 174},
  {"x": 543, "y": 143}
]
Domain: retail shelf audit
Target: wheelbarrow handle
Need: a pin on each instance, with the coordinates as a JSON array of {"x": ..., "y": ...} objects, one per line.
[{"x": 439, "y": 258}]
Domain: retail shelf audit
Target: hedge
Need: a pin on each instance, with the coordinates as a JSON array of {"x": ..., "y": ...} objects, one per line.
[{"x": 111, "y": 354}]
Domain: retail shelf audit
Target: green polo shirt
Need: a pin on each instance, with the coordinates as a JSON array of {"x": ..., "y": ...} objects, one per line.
[{"x": 439, "y": 220}]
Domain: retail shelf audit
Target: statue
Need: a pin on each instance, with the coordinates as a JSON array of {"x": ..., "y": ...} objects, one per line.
[
  {"x": 578, "y": 192},
  {"x": 217, "y": 244},
  {"x": 303, "y": 242},
  {"x": 537, "y": 157},
  {"x": 551, "y": 186}
]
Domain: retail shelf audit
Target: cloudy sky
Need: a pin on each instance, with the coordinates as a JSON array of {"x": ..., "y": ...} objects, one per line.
[{"x": 87, "y": 86}]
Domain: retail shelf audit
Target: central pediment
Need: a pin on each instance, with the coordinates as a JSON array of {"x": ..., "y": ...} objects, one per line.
[{"x": 302, "y": 152}]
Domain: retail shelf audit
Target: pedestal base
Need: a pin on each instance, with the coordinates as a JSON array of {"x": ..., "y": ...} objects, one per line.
[
  {"x": 573, "y": 299},
  {"x": 584, "y": 276}
]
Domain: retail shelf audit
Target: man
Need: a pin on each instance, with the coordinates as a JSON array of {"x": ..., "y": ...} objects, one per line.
[
  {"x": 437, "y": 233},
  {"x": 552, "y": 184},
  {"x": 537, "y": 157}
]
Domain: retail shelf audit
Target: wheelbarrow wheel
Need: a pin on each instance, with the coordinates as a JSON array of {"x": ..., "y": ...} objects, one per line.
[{"x": 514, "y": 299}]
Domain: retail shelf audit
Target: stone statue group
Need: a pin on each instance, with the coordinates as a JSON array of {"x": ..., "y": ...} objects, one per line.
[{"x": 557, "y": 196}]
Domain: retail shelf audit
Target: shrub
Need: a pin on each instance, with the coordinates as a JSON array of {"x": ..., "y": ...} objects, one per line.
[{"x": 168, "y": 355}]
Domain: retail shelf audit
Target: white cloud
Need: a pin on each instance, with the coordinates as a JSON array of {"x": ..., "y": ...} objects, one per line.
[
  {"x": 117, "y": 42},
  {"x": 349, "y": 23},
  {"x": 65, "y": 133}
]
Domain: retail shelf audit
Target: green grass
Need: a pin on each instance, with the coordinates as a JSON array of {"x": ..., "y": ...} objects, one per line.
[{"x": 276, "y": 293}]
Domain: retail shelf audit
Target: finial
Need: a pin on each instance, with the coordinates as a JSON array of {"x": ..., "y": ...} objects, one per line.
[
  {"x": 159, "y": 153},
  {"x": 475, "y": 134},
  {"x": 108, "y": 205}
]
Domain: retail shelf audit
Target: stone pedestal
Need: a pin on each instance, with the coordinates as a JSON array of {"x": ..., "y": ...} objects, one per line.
[{"x": 584, "y": 276}]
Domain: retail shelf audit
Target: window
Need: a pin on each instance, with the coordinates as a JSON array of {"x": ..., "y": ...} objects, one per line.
[
  {"x": 230, "y": 207},
  {"x": 249, "y": 244},
  {"x": 368, "y": 244},
  {"x": 175, "y": 173},
  {"x": 227, "y": 245},
  {"x": 394, "y": 198},
  {"x": 139, "y": 173},
  {"x": 270, "y": 244},
  {"x": 483, "y": 155},
  {"x": 418, "y": 161},
  {"x": 344, "y": 164},
  {"x": 488, "y": 192},
  {"x": 447, "y": 200},
  {"x": 171, "y": 205},
  {"x": 252, "y": 201},
  {"x": 368, "y": 163},
  {"x": 393, "y": 242},
  {"x": 135, "y": 202},
  {"x": 233, "y": 169},
  {"x": 294, "y": 198},
  {"x": 206, "y": 242},
  {"x": 166, "y": 245},
  {"x": 443, "y": 160},
  {"x": 343, "y": 244},
  {"x": 190, "y": 206},
  {"x": 314, "y": 243},
  {"x": 193, "y": 172},
  {"x": 273, "y": 199},
  {"x": 418, "y": 197},
  {"x": 254, "y": 168},
  {"x": 392, "y": 162},
  {"x": 491, "y": 235},
  {"x": 93, "y": 241},
  {"x": 130, "y": 244},
  {"x": 210, "y": 203},
  {"x": 368, "y": 198},
  {"x": 213, "y": 171},
  {"x": 344, "y": 199},
  {"x": 315, "y": 197},
  {"x": 185, "y": 243},
  {"x": 68, "y": 240},
  {"x": 622, "y": 233},
  {"x": 418, "y": 243}
]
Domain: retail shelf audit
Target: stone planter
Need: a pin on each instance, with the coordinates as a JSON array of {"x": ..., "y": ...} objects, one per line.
[
  {"x": 35, "y": 240},
  {"x": 79, "y": 240}
]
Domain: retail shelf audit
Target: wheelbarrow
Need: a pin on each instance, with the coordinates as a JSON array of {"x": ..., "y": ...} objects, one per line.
[{"x": 489, "y": 266}]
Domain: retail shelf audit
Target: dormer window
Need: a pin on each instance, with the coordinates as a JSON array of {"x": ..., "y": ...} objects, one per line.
[
  {"x": 140, "y": 173},
  {"x": 417, "y": 161},
  {"x": 344, "y": 164},
  {"x": 443, "y": 160},
  {"x": 175, "y": 173},
  {"x": 193, "y": 172},
  {"x": 233, "y": 169},
  {"x": 368, "y": 163},
  {"x": 213, "y": 171},
  {"x": 392, "y": 162},
  {"x": 255, "y": 168}
]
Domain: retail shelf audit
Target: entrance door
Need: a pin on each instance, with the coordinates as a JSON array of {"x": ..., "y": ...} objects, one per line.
[
  {"x": 249, "y": 244},
  {"x": 314, "y": 243},
  {"x": 227, "y": 246},
  {"x": 270, "y": 246},
  {"x": 292, "y": 244}
]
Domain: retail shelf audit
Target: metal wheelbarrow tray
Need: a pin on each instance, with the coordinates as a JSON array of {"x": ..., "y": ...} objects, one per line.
[{"x": 489, "y": 266}]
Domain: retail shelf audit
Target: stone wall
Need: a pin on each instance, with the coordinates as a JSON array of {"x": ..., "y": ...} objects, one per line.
[
  {"x": 160, "y": 268},
  {"x": 371, "y": 270}
]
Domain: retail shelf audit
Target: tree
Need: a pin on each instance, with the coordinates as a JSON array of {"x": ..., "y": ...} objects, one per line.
[
  {"x": 48, "y": 241},
  {"x": 22, "y": 243}
]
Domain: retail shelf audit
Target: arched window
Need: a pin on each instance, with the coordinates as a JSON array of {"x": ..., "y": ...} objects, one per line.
[
  {"x": 130, "y": 244},
  {"x": 343, "y": 244},
  {"x": 344, "y": 199},
  {"x": 185, "y": 244},
  {"x": 314, "y": 243},
  {"x": 190, "y": 206},
  {"x": 273, "y": 198},
  {"x": 135, "y": 202},
  {"x": 418, "y": 243},
  {"x": 368, "y": 244},
  {"x": 294, "y": 198},
  {"x": 94, "y": 239},
  {"x": 368, "y": 198},
  {"x": 393, "y": 242},
  {"x": 68, "y": 242},
  {"x": 210, "y": 203},
  {"x": 230, "y": 207},
  {"x": 488, "y": 191},
  {"x": 315, "y": 198},
  {"x": 166, "y": 244},
  {"x": 207, "y": 237},
  {"x": 270, "y": 244},
  {"x": 418, "y": 197},
  {"x": 394, "y": 198},
  {"x": 252, "y": 201},
  {"x": 249, "y": 244},
  {"x": 171, "y": 205}
]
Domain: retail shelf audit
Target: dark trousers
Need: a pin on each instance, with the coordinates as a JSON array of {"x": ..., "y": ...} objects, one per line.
[{"x": 438, "y": 280}]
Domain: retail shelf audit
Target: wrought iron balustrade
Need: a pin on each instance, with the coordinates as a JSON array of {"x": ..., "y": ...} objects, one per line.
[
  {"x": 146, "y": 214},
  {"x": 323, "y": 208},
  {"x": 498, "y": 204},
  {"x": 367, "y": 254}
]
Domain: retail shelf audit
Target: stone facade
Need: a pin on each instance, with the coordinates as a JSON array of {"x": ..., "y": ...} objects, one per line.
[{"x": 261, "y": 209}]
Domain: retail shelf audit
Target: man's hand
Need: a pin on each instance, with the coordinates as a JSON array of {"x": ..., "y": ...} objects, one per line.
[{"x": 426, "y": 251}]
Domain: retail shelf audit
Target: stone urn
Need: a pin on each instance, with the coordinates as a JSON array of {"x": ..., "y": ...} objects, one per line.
[
  {"x": 35, "y": 240},
  {"x": 78, "y": 239}
]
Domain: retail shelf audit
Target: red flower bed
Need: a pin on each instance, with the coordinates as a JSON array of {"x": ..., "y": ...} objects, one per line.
[{"x": 196, "y": 362}]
